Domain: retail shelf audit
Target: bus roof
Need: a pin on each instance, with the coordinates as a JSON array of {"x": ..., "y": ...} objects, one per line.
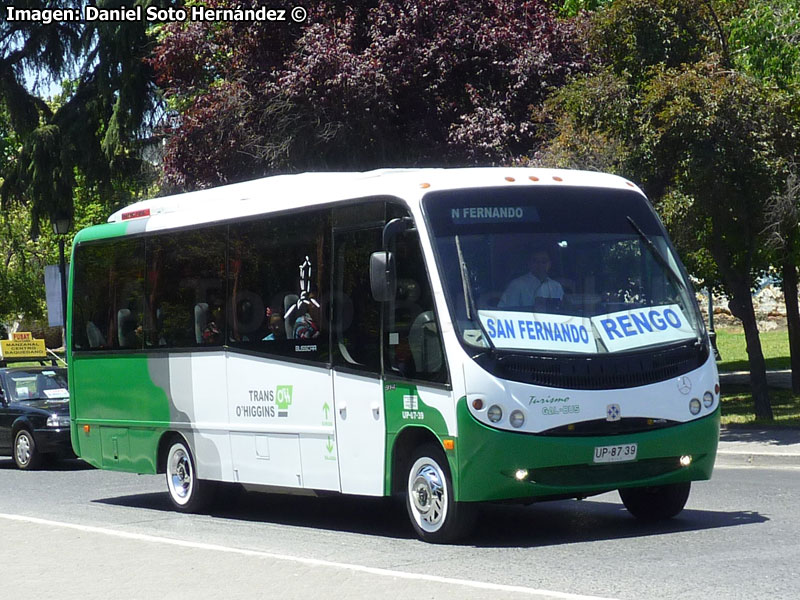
[{"x": 282, "y": 192}]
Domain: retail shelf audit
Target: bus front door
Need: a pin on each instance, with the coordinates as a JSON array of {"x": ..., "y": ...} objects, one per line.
[{"x": 357, "y": 387}]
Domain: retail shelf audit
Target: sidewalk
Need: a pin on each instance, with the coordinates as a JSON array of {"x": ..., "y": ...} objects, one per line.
[
  {"x": 780, "y": 378},
  {"x": 759, "y": 447}
]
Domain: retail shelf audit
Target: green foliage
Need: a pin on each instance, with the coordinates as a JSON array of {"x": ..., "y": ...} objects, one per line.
[
  {"x": 92, "y": 128},
  {"x": 633, "y": 36},
  {"x": 22, "y": 290},
  {"x": 765, "y": 42},
  {"x": 571, "y": 8}
]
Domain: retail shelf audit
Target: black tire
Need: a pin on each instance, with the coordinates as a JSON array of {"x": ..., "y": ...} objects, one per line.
[
  {"x": 436, "y": 517},
  {"x": 656, "y": 503},
  {"x": 187, "y": 492},
  {"x": 26, "y": 455}
]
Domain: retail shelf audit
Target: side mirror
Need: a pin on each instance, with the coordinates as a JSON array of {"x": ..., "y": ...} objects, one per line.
[{"x": 382, "y": 276}]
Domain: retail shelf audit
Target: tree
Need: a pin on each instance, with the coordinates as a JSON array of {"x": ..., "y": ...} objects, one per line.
[
  {"x": 783, "y": 217},
  {"x": 704, "y": 139},
  {"x": 23, "y": 259},
  {"x": 375, "y": 83},
  {"x": 765, "y": 43},
  {"x": 92, "y": 130}
]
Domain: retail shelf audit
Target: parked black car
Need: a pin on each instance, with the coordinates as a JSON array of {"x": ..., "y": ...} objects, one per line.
[{"x": 34, "y": 414}]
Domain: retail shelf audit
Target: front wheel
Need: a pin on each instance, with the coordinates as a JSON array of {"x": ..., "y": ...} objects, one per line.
[
  {"x": 435, "y": 515},
  {"x": 26, "y": 456},
  {"x": 186, "y": 491},
  {"x": 656, "y": 503}
]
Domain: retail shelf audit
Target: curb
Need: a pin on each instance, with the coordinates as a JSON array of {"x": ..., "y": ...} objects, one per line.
[{"x": 743, "y": 458}]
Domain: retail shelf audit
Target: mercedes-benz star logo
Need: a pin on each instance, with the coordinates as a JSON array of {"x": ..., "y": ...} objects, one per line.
[{"x": 684, "y": 385}]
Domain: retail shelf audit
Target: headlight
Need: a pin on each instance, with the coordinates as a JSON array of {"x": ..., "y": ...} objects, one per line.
[
  {"x": 58, "y": 421},
  {"x": 708, "y": 399},
  {"x": 495, "y": 413},
  {"x": 694, "y": 406},
  {"x": 517, "y": 419}
]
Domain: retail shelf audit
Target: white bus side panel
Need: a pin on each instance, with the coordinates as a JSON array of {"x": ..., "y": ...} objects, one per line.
[
  {"x": 198, "y": 388},
  {"x": 281, "y": 423}
]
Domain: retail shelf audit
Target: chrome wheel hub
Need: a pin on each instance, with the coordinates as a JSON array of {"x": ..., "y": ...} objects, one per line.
[
  {"x": 428, "y": 495},
  {"x": 180, "y": 474}
]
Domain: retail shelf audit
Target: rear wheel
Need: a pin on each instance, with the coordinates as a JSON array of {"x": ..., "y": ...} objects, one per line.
[
  {"x": 186, "y": 491},
  {"x": 656, "y": 503},
  {"x": 26, "y": 456},
  {"x": 435, "y": 515}
]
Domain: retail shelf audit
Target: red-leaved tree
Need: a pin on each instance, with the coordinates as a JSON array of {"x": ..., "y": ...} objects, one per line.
[{"x": 372, "y": 84}]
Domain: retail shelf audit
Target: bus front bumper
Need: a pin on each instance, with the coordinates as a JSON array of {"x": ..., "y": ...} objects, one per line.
[{"x": 502, "y": 465}]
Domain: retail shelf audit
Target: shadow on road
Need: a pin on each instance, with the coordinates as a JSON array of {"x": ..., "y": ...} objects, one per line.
[
  {"x": 571, "y": 522},
  {"x": 498, "y": 525},
  {"x": 772, "y": 437}
]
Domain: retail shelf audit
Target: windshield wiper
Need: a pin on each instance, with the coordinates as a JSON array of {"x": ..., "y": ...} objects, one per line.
[
  {"x": 675, "y": 276},
  {"x": 469, "y": 301}
]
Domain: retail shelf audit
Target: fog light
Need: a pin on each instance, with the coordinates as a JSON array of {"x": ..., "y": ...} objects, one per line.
[
  {"x": 686, "y": 461},
  {"x": 517, "y": 419},
  {"x": 694, "y": 406},
  {"x": 708, "y": 399},
  {"x": 521, "y": 474},
  {"x": 495, "y": 413}
]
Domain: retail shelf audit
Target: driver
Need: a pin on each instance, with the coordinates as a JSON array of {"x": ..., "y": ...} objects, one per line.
[{"x": 535, "y": 288}]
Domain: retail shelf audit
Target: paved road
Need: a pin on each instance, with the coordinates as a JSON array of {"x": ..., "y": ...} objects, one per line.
[{"x": 74, "y": 532}]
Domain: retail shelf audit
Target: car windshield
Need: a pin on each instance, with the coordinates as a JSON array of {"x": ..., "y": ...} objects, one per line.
[
  {"x": 47, "y": 384},
  {"x": 556, "y": 269}
]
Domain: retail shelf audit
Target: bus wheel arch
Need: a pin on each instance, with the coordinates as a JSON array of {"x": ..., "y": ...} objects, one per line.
[
  {"x": 432, "y": 509},
  {"x": 187, "y": 492},
  {"x": 407, "y": 442},
  {"x": 421, "y": 473}
]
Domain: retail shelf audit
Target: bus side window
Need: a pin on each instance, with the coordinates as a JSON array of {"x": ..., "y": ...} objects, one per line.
[
  {"x": 185, "y": 289},
  {"x": 277, "y": 276},
  {"x": 413, "y": 344},
  {"x": 108, "y": 296}
]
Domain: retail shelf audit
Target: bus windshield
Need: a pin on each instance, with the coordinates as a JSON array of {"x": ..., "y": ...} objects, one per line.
[{"x": 560, "y": 270}]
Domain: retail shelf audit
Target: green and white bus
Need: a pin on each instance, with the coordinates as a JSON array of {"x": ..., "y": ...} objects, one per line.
[{"x": 454, "y": 336}]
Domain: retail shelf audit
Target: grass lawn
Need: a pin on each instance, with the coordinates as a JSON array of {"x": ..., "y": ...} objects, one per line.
[
  {"x": 731, "y": 346},
  {"x": 737, "y": 402},
  {"x": 737, "y": 408}
]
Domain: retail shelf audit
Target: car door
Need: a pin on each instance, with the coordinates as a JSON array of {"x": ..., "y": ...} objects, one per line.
[{"x": 6, "y": 417}]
